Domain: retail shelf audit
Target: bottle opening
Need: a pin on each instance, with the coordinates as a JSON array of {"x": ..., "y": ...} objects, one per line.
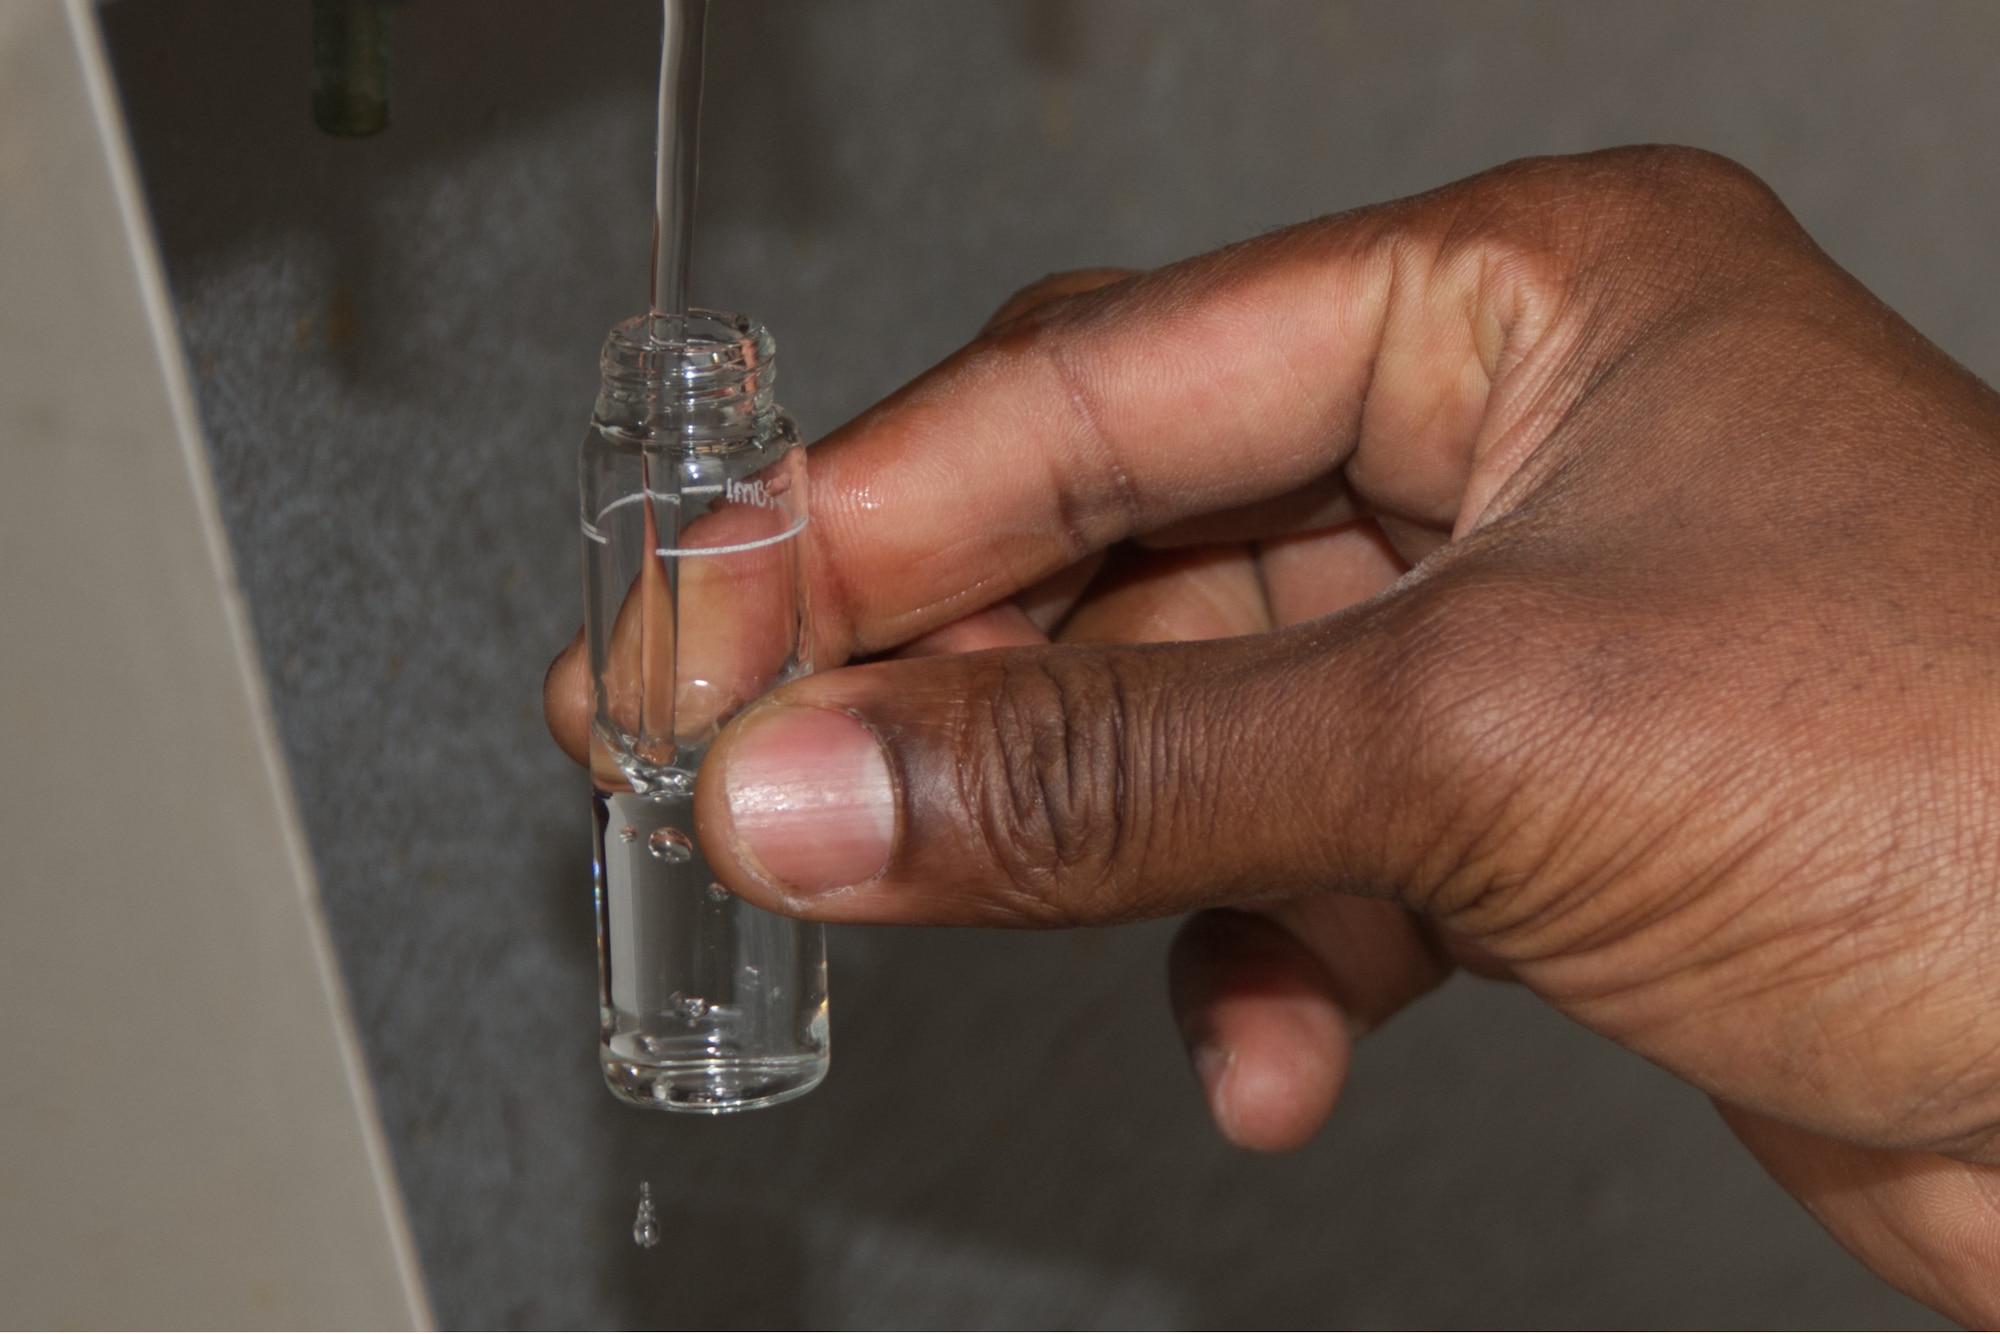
[{"x": 706, "y": 376}]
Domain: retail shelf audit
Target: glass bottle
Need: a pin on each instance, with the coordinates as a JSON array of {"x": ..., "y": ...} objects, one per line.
[{"x": 693, "y": 501}]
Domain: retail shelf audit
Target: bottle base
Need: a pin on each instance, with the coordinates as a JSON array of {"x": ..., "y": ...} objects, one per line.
[{"x": 712, "y": 1086}]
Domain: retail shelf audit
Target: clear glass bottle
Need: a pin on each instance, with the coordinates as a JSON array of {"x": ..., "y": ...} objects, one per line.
[{"x": 693, "y": 502}]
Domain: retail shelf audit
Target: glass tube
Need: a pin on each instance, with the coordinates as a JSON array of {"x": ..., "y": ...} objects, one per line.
[
  {"x": 693, "y": 502},
  {"x": 677, "y": 172}
]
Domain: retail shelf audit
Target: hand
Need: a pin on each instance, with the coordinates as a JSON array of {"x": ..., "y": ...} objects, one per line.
[{"x": 1611, "y": 596}]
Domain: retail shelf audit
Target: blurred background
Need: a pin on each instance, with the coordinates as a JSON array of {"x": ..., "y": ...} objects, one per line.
[{"x": 393, "y": 342}]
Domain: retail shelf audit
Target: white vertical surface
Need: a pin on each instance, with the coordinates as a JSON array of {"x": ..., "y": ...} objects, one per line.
[{"x": 187, "y": 1137}]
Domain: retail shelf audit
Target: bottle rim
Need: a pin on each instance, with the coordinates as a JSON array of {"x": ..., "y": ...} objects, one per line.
[
  {"x": 706, "y": 374},
  {"x": 701, "y": 352}
]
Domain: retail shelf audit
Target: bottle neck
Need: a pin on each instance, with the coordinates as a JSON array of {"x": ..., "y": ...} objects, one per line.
[{"x": 700, "y": 382}]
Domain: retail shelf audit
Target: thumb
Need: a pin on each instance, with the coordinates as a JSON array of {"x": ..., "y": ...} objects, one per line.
[{"x": 1063, "y": 785}]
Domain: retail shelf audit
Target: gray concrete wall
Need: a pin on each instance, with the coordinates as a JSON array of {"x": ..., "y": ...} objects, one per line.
[{"x": 393, "y": 343}]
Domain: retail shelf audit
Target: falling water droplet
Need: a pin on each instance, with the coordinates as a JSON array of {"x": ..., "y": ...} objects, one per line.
[
  {"x": 670, "y": 845},
  {"x": 628, "y": 834},
  {"x": 646, "y": 1227}
]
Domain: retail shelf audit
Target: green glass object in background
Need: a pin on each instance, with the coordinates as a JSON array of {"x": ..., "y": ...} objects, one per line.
[{"x": 351, "y": 66}]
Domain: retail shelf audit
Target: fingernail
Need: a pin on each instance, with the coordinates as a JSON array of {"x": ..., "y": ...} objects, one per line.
[
  {"x": 810, "y": 798},
  {"x": 1211, "y": 1066}
]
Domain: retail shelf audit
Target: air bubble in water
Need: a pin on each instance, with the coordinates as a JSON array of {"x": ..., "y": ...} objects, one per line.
[
  {"x": 688, "y": 1007},
  {"x": 646, "y": 1227},
  {"x": 716, "y": 893},
  {"x": 628, "y": 834},
  {"x": 670, "y": 845}
]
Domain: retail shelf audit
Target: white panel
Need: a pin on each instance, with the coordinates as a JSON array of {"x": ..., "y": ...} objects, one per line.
[{"x": 186, "y": 1133}]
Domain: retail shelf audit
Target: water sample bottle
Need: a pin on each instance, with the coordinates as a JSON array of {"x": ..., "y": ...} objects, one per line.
[{"x": 694, "y": 499}]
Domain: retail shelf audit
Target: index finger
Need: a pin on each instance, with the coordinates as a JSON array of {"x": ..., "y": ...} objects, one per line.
[
  {"x": 1422, "y": 350},
  {"x": 1368, "y": 342}
]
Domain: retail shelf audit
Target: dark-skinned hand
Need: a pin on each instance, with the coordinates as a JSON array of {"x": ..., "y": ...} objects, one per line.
[{"x": 1570, "y": 573}]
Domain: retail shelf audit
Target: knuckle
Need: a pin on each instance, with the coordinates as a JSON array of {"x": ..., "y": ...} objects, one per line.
[
  {"x": 1045, "y": 769},
  {"x": 1595, "y": 247},
  {"x": 1697, "y": 175},
  {"x": 1681, "y": 195},
  {"x": 1647, "y": 183},
  {"x": 1467, "y": 695},
  {"x": 1654, "y": 208}
]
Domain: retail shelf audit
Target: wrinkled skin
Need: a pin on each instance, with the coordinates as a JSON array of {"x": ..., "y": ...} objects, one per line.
[{"x": 1570, "y": 574}]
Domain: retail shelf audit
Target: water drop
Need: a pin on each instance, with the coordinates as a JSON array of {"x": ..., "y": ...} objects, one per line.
[
  {"x": 646, "y": 1227},
  {"x": 670, "y": 845},
  {"x": 651, "y": 780},
  {"x": 716, "y": 893},
  {"x": 628, "y": 834}
]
